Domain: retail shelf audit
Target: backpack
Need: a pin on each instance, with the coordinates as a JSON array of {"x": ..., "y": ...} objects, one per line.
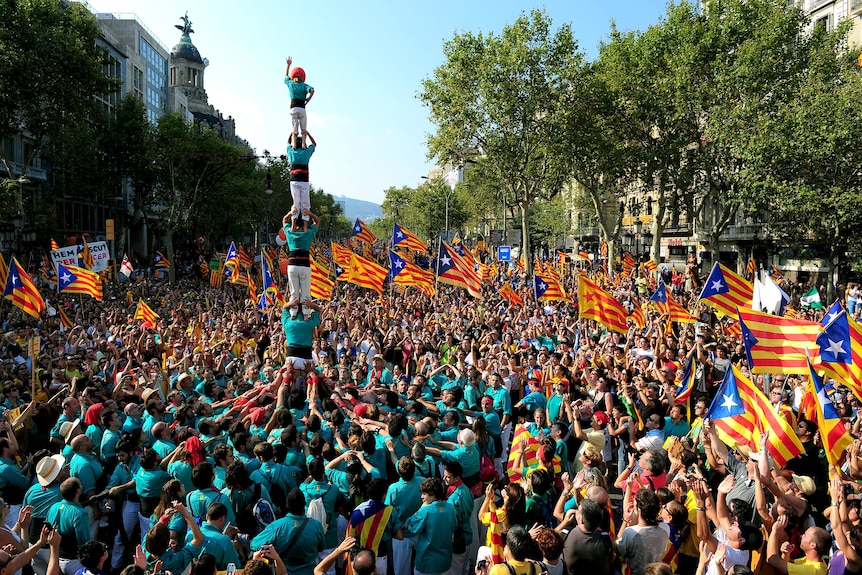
[
  {"x": 277, "y": 494},
  {"x": 546, "y": 510},
  {"x": 536, "y": 568},
  {"x": 316, "y": 510},
  {"x": 487, "y": 471},
  {"x": 247, "y": 521}
]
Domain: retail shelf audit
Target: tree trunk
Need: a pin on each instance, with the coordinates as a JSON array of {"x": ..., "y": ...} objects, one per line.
[
  {"x": 658, "y": 221},
  {"x": 525, "y": 239},
  {"x": 169, "y": 237}
]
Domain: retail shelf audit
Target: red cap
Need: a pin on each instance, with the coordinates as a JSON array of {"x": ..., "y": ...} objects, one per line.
[
  {"x": 602, "y": 417},
  {"x": 258, "y": 415},
  {"x": 360, "y": 410}
]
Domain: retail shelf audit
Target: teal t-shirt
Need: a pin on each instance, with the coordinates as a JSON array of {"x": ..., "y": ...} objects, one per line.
[{"x": 300, "y": 240}]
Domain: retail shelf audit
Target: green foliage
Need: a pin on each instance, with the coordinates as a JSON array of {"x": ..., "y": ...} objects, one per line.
[
  {"x": 50, "y": 68},
  {"x": 504, "y": 97}
]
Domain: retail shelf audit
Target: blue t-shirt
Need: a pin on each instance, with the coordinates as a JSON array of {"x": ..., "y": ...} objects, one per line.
[{"x": 297, "y": 90}]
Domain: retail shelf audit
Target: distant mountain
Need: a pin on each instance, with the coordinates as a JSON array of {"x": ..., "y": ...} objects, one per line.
[{"x": 366, "y": 211}]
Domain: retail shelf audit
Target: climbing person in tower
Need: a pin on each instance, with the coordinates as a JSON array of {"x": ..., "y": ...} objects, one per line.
[
  {"x": 299, "y": 265},
  {"x": 298, "y": 154},
  {"x": 300, "y": 95}
]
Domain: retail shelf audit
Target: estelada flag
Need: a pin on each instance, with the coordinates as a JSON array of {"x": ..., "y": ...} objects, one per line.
[
  {"x": 406, "y": 273},
  {"x": 362, "y": 232},
  {"x": 145, "y": 313},
  {"x": 21, "y": 290},
  {"x": 833, "y": 434},
  {"x": 597, "y": 304},
  {"x": 72, "y": 279},
  {"x": 365, "y": 273},
  {"x": 368, "y": 522},
  {"x": 85, "y": 257},
  {"x": 741, "y": 414},
  {"x": 725, "y": 291},
  {"x": 548, "y": 288},
  {"x": 452, "y": 269},
  {"x": 403, "y": 237},
  {"x": 161, "y": 261}
]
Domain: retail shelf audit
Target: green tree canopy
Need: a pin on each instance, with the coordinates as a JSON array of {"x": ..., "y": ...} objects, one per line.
[{"x": 505, "y": 97}]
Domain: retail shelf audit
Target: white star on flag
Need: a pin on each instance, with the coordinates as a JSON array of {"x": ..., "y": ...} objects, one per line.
[
  {"x": 399, "y": 264},
  {"x": 836, "y": 348},
  {"x": 542, "y": 286},
  {"x": 717, "y": 285},
  {"x": 65, "y": 278},
  {"x": 399, "y": 234},
  {"x": 14, "y": 279},
  {"x": 832, "y": 316},
  {"x": 446, "y": 260},
  {"x": 357, "y": 229},
  {"x": 728, "y": 402}
]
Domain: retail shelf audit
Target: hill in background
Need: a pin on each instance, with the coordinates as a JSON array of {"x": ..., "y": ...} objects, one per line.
[{"x": 365, "y": 211}]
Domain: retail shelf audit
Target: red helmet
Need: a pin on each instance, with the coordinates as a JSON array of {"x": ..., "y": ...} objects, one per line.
[{"x": 297, "y": 73}]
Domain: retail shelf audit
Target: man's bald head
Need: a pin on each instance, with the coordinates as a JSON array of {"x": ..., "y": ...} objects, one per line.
[
  {"x": 598, "y": 494},
  {"x": 159, "y": 429},
  {"x": 81, "y": 444},
  {"x": 364, "y": 562}
]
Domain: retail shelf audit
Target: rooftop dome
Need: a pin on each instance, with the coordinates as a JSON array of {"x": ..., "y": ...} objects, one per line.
[{"x": 186, "y": 50}]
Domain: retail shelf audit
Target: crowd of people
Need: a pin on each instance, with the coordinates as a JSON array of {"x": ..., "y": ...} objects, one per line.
[{"x": 398, "y": 434}]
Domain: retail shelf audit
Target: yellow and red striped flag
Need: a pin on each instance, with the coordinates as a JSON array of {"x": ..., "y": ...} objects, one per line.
[
  {"x": 409, "y": 274},
  {"x": 367, "y": 524},
  {"x": 776, "y": 344},
  {"x": 54, "y": 245},
  {"x": 3, "y": 271},
  {"x": 725, "y": 291},
  {"x": 637, "y": 315},
  {"x": 85, "y": 256},
  {"x": 161, "y": 261},
  {"x": 21, "y": 291},
  {"x": 510, "y": 295},
  {"x": 321, "y": 284},
  {"x": 64, "y": 319},
  {"x": 596, "y": 304},
  {"x": 245, "y": 260},
  {"x": 72, "y": 279},
  {"x": 363, "y": 272},
  {"x": 145, "y": 313}
]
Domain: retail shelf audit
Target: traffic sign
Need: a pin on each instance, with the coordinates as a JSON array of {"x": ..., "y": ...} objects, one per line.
[{"x": 504, "y": 253}]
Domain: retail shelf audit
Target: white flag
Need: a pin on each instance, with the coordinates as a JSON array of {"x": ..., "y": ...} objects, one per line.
[{"x": 126, "y": 267}]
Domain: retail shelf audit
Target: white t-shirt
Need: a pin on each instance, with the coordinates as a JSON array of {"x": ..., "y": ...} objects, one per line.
[{"x": 732, "y": 556}]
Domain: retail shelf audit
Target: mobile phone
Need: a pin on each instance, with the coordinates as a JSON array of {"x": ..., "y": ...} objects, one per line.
[{"x": 231, "y": 569}]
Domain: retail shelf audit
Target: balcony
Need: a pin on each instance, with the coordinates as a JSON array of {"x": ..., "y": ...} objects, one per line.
[
  {"x": 32, "y": 173},
  {"x": 744, "y": 232},
  {"x": 856, "y": 7}
]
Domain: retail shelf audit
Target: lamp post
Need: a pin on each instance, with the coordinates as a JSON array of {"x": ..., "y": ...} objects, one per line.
[{"x": 638, "y": 226}]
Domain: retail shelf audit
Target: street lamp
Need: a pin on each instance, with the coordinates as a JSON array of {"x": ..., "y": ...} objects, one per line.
[{"x": 638, "y": 226}]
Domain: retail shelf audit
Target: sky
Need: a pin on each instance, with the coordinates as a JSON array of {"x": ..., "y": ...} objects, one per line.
[{"x": 366, "y": 61}]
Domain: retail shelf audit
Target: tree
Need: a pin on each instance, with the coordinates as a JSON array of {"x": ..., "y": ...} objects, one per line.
[
  {"x": 503, "y": 97},
  {"x": 804, "y": 162},
  {"x": 50, "y": 69},
  {"x": 430, "y": 201},
  {"x": 191, "y": 167},
  {"x": 747, "y": 60}
]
